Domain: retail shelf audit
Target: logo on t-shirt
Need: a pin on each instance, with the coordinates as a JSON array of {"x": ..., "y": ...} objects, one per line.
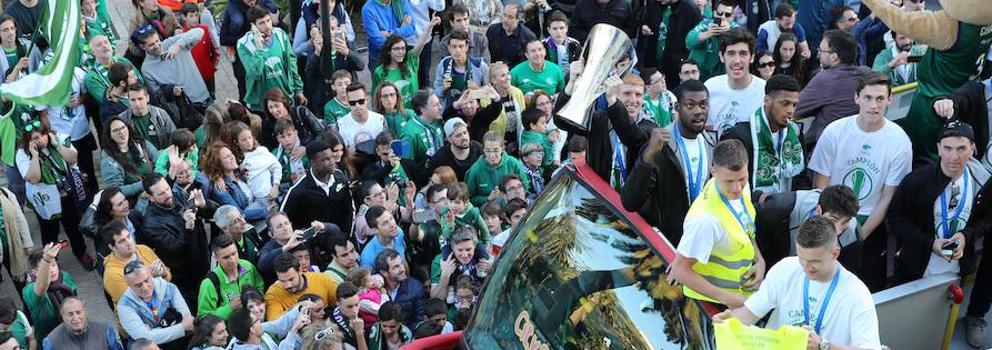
[
  {"x": 862, "y": 174},
  {"x": 727, "y": 116}
]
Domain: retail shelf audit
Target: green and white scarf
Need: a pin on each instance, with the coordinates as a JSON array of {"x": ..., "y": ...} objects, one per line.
[{"x": 771, "y": 165}]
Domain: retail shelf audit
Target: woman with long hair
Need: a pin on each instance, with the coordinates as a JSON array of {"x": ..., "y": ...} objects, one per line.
[
  {"x": 261, "y": 169},
  {"x": 278, "y": 106},
  {"x": 111, "y": 206},
  {"x": 787, "y": 58},
  {"x": 125, "y": 158},
  {"x": 209, "y": 333},
  {"x": 386, "y": 100},
  {"x": 400, "y": 64},
  {"x": 46, "y": 161},
  {"x": 226, "y": 184},
  {"x": 763, "y": 66},
  {"x": 513, "y": 101}
]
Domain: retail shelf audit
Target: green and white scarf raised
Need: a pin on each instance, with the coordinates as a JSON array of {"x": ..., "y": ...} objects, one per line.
[{"x": 771, "y": 165}]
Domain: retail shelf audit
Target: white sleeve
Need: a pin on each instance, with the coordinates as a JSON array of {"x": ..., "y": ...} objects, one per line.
[
  {"x": 23, "y": 162},
  {"x": 864, "y": 325},
  {"x": 698, "y": 238},
  {"x": 824, "y": 152},
  {"x": 767, "y": 297},
  {"x": 901, "y": 165}
]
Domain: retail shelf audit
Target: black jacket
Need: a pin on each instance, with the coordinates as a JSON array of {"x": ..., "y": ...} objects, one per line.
[
  {"x": 970, "y": 107},
  {"x": 306, "y": 202},
  {"x": 600, "y": 151},
  {"x": 658, "y": 191},
  {"x": 742, "y": 132},
  {"x": 684, "y": 17},
  {"x": 910, "y": 218},
  {"x": 588, "y": 13},
  {"x": 773, "y": 222},
  {"x": 445, "y": 157},
  {"x": 378, "y": 172},
  {"x": 317, "y": 81},
  {"x": 478, "y": 124},
  {"x": 184, "y": 251}
]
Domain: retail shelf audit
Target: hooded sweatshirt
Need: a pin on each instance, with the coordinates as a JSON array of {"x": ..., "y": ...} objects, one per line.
[{"x": 482, "y": 178}]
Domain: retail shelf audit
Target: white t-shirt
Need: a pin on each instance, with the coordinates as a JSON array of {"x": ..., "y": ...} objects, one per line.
[
  {"x": 954, "y": 194},
  {"x": 697, "y": 154},
  {"x": 71, "y": 121},
  {"x": 729, "y": 107},
  {"x": 861, "y": 160},
  {"x": 849, "y": 319},
  {"x": 355, "y": 133},
  {"x": 704, "y": 235}
]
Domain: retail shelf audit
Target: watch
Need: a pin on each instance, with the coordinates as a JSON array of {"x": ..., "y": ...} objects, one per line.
[{"x": 824, "y": 344}]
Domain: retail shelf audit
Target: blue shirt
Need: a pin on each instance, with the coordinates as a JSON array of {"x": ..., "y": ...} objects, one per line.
[{"x": 372, "y": 250}]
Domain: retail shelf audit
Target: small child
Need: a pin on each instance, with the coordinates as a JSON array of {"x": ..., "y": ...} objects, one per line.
[
  {"x": 290, "y": 155},
  {"x": 536, "y": 131},
  {"x": 466, "y": 297},
  {"x": 338, "y": 107},
  {"x": 460, "y": 213},
  {"x": 264, "y": 173},
  {"x": 302, "y": 254},
  {"x": 206, "y": 53},
  {"x": 372, "y": 294},
  {"x": 514, "y": 211},
  {"x": 183, "y": 148},
  {"x": 436, "y": 313}
]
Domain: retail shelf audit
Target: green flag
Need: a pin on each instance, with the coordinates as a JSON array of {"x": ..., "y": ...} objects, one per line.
[{"x": 50, "y": 84}]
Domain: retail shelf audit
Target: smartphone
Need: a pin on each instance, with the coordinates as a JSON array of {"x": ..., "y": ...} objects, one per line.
[
  {"x": 63, "y": 244},
  {"x": 308, "y": 234},
  {"x": 914, "y": 59},
  {"x": 717, "y": 21},
  {"x": 948, "y": 248},
  {"x": 401, "y": 148},
  {"x": 422, "y": 216}
]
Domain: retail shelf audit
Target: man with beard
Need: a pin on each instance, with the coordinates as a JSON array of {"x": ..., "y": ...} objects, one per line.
[
  {"x": 406, "y": 291},
  {"x": 671, "y": 171},
  {"x": 828, "y": 96},
  {"x": 77, "y": 332},
  {"x": 774, "y": 150},
  {"x": 894, "y": 60},
  {"x": 293, "y": 284},
  {"x": 461, "y": 152},
  {"x": 736, "y": 95},
  {"x": 175, "y": 231}
]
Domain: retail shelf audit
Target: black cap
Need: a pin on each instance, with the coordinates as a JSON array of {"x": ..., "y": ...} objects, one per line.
[{"x": 956, "y": 128}]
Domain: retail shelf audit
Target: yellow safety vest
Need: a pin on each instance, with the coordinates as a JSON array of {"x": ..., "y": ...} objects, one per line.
[{"x": 725, "y": 271}]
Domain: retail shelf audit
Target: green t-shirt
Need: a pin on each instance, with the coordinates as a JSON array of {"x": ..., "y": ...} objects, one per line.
[
  {"x": 208, "y": 304},
  {"x": 551, "y": 79},
  {"x": 407, "y": 85},
  {"x": 44, "y": 312},
  {"x": 141, "y": 125},
  {"x": 12, "y": 56},
  {"x": 333, "y": 111},
  {"x": 21, "y": 328},
  {"x": 396, "y": 121}
]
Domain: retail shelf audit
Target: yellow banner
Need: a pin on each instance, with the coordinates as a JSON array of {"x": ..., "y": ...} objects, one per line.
[{"x": 734, "y": 335}]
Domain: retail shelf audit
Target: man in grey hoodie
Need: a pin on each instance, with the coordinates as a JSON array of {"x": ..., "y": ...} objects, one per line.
[{"x": 152, "y": 308}]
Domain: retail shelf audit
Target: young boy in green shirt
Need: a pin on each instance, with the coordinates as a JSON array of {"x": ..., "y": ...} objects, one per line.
[
  {"x": 536, "y": 131},
  {"x": 337, "y": 107}
]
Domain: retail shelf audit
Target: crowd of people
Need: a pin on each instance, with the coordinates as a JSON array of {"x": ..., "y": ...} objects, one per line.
[{"x": 320, "y": 211}]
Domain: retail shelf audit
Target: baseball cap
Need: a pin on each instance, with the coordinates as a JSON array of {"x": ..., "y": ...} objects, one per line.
[
  {"x": 956, "y": 128},
  {"x": 451, "y": 124}
]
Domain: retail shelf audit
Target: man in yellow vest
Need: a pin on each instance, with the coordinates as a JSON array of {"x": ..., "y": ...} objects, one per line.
[{"x": 717, "y": 258}]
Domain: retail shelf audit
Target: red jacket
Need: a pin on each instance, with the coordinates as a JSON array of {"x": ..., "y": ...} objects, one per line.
[{"x": 205, "y": 54}]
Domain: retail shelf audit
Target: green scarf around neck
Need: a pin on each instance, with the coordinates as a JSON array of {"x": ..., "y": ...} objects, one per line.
[{"x": 771, "y": 164}]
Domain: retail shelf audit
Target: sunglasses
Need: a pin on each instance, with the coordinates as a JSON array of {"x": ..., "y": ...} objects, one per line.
[
  {"x": 327, "y": 332},
  {"x": 33, "y": 126},
  {"x": 132, "y": 266},
  {"x": 766, "y": 64},
  {"x": 723, "y": 14},
  {"x": 356, "y": 102}
]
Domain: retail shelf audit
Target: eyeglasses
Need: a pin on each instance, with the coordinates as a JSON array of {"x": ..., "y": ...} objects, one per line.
[
  {"x": 32, "y": 126},
  {"x": 356, "y": 102},
  {"x": 917, "y": 1},
  {"x": 119, "y": 130},
  {"x": 144, "y": 30},
  {"x": 766, "y": 64},
  {"x": 492, "y": 150}
]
